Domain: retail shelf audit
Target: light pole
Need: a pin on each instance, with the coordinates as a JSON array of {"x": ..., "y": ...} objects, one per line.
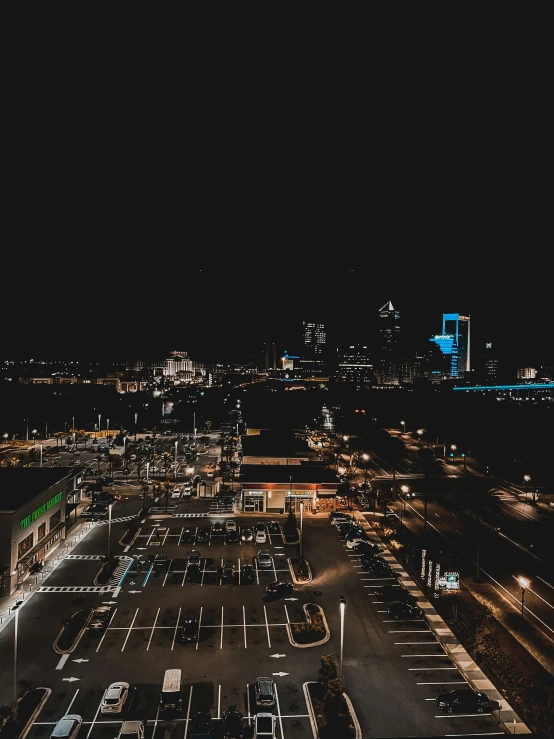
[
  {"x": 524, "y": 584},
  {"x": 34, "y": 432},
  {"x": 27, "y": 430},
  {"x": 342, "y": 610},
  {"x": 526, "y": 479},
  {"x": 365, "y": 457},
  {"x": 136, "y": 417},
  {"x": 99, "y": 419},
  {"x": 41, "y": 455},
  {"x": 147, "y": 471},
  {"x": 419, "y": 434},
  {"x": 301, "y": 530},
  {"x": 404, "y": 489},
  {"x": 15, "y": 678},
  {"x": 453, "y": 448},
  {"x": 109, "y": 530},
  {"x": 176, "y": 459},
  {"x": 403, "y": 424}
]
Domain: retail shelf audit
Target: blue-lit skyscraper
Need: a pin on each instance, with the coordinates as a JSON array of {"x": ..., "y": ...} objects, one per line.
[{"x": 454, "y": 323}]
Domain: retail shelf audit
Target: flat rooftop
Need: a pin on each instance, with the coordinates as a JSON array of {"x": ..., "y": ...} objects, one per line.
[
  {"x": 20, "y": 485},
  {"x": 269, "y": 443},
  {"x": 315, "y": 474}
]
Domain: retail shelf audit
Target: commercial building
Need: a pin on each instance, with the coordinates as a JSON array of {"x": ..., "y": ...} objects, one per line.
[
  {"x": 32, "y": 517},
  {"x": 459, "y": 327},
  {"x": 268, "y": 447}
]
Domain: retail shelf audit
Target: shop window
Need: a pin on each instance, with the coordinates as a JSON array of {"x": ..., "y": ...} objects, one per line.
[
  {"x": 24, "y": 546},
  {"x": 41, "y": 531},
  {"x": 55, "y": 519}
]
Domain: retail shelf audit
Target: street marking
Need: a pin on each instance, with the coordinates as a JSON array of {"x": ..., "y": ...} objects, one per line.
[
  {"x": 95, "y": 717},
  {"x": 153, "y": 627},
  {"x": 106, "y": 631},
  {"x": 62, "y": 661},
  {"x": 446, "y": 682},
  {"x": 244, "y": 622},
  {"x": 130, "y": 627},
  {"x": 199, "y": 622},
  {"x": 221, "y": 640},
  {"x": 267, "y": 628},
  {"x": 72, "y": 700}
]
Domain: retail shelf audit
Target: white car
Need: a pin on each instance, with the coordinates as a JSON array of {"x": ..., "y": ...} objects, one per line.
[
  {"x": 230, "y": 525},
  {"x": 264, "y": 726},
  {"x": 261, "y": 537},
  {"x": 351, "y": 543},
  {"x": 114, "y": 698}
]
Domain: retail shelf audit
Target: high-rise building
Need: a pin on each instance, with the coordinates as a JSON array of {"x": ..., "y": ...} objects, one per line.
[
  {"x": 389, "y": 335},
  {"x": 459, "y": 327},
  {"x": 270, "y": 356},
  {"x": 490, "y": 365},
  {"x": 354, "y": 366},
  {"x": 449, "y": 348},
  {"x": 314, "y": 347}
]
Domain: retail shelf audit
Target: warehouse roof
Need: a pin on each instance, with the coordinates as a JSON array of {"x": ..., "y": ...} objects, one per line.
[{"x": 276, "y": 444}]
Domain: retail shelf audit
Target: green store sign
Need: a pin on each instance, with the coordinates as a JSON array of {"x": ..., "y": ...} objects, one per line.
[{"x": 28, "y": 520}]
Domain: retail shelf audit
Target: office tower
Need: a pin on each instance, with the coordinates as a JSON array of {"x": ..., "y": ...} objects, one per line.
[
  {"x": 355, "y": 367},
  {"x": 490, "y": 365},
  {"x": 389, "y": 335},
  {"x": 314, "y": 349},
  {"x": 459, "y": 326},
  {"x": 449, "y": 348},
  {"x": 270, "y": 356}
]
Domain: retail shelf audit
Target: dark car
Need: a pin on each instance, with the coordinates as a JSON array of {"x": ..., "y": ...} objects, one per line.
[
  {"x": 228, "y": 571},
  {"x": 103, "y": 480},
  {"x": 278, "y": 587},
  {"x": 366, "y": 547},
  {"x": 217, "y": 527},
  {"x": 388, "y": 593},
  {"x": 194, "y": 559},
  {"x": 247, "y": 573},
  {"x": 405, "y": 611},
  {"x": 377, "y": 567},
  {"x": 274, "y": 527},
  {"x": 189, "y": 630},
  {"x": 232, "y": 537},
  {"x": 188, "y": 536},
  {"x": 463, "y": 700},
  {"x": 339, "y": 515},
  {"x": 260, "y": 526},
  {"x": 350, "y": 531},
  {"x": 232, "y": 722},
  {"x": 202, "y": 535},
  {"x": 247, "y": 535},
  {"x": 100, "y": 619},
  {"x": 201, "y": 725}
]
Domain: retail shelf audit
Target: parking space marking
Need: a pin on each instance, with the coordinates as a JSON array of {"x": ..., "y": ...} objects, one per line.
[
  {"x": 153, "y": 627},
  {"x": 167, "y": 573},
  {"x": 424, "y": 669},
  {"x": 221, "y": 639},
  {"x": 446, "y": 682},
  {"x": 199, "y": 627},
  {"x": 71, "y": 703},
  {"x": 279, "y": 710},
  {"x": 416, "y": 642},
  {"x": 409, "y": 631},
  {"x": 248, "y": 703},
  {"x": 130, "y": 627},
  {"x": 425, "y": 655},
  {"x": 267, "y": 627},
  {"x": 95, "y": 717},
  {"x": 176, "y": 628},
  {"x": 244, "y": 622}
]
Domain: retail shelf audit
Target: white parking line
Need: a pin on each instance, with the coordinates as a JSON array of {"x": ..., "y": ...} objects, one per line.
[
  {"x": 185, "y": 574},
  {"x": 68, "y": 710},
  {"x": 167, "y": 573},
  {"x": 219, "y": 703},
  {"x": 176, "y": 628},
  {"x": 416, "y": 669},
  {"x": 95, "y": 717},
  {"x": 130, "y": 627},
  {"x": 415, "y": 642},
  {"x": 274, "y": 570},
  {"x": 423, "y": 655},
  {"x": 152, "y": 632},
  {"x": 247, "y": 703},
  {"x": 279, "y": 710},
  {"x": 244, "y": 622},
  {"x": 199, "y": 627},
  {"x": 267, "y": 628},
  {"x": 221, "y": 640},
  {"x": 446, "y": 682},
  {"x": 106, "y": 631}
]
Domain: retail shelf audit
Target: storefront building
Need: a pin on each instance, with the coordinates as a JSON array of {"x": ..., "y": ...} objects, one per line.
[
  {"x": 32, "y": 518},
  {"x": 281, "y": 488}
]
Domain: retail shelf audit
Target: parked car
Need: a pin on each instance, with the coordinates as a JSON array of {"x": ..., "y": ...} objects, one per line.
[
  {"x": 393, "y": 593},
  {"x": 265, "y": 560},
  {"x": 353, "y": 539},
  {"x": 264, "y": 726},
  {"x": 95, "y": 510},
  {"x": 114, "y": 698},
  {"x": 247, "y": 535},
  {"x": 232, "y": 537},
  {"x": 194, "y": 559},
  {"x": 187, "y": 536},
  {"x": 100, "y": 618},
  {"x": 366, "y": 547},
  {"x": 261, "y": 537},
  {"x": 159, "y": 562},
  {"x": 67, "y": 727},
  {"x": 247, "y": 573},
  {"x": 189, "y": 630},
  {"x": 405, "y": 611},
  {"x": 217, "y": 527},
  {"x": 131, "y": 730},
  {"x": 274, "y": 527},
  {"x": 264, "y": 690},
  {"x": 345, "y": 518},
  {"x": 377, "y": 567},
  {"x": 463, "y": 700},
  {"x": 279, "y": 587},
  {"x": 260, "y": 526},
  {"x": 201, "y": 725},
  {"x": 339, "y": 515},
  {"x": 232, "y": 722},
  {"x": 202, "y": 535},
  {"x": 228, "y": 570}
]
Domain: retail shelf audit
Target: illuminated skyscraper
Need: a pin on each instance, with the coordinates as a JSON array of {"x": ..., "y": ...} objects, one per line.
[
  {"x": 389, "y": 334},
  {"x": 458, "y": 326},
  {"x": 314, "y": 350}
]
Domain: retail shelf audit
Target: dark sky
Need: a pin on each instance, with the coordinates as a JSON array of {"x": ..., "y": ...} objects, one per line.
[{"x": 131, "y": 235}]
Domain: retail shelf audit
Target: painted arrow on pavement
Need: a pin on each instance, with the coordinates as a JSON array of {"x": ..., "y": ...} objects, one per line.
[
  {"x": 278, "y": 547},
  {"x": 70, "y": 679},
  {"x": 281, "y": 674},
  {"x": 277, "y": 655},
  {"x": 109, "y": 602},
  {"x": 80, "y": 660},
  {"x": 135, "y": 591},
  {"x": 291, "y": 598}
]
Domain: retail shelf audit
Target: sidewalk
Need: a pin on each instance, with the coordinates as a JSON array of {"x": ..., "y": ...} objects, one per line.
[
  {"x": 76, "y": 533},
  {"x": 508, "y": 719}
]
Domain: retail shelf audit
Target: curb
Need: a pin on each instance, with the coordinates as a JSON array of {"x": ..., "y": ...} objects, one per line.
[
  {"x": 311, "y": 714},
  {"x": 353, "y": 716},
  {"x": 291, "y": 543},
  {"x": 77, "y": 639},
  {"x": 130, "y": 544},
  {"x": 35, "y": 714},
  {"x": 308, "y": 619},
  {"x": 299, "y": 582},
  {"x": 454, "y": 649}
]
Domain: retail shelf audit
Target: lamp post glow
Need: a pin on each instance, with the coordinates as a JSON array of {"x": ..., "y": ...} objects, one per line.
[
  {"x": 99, "y": 419},
  {"x": 109, "y": 530},
  {"x": 526, "y": 479},
  {"x": 365, "y": 457},
  {"x": 524, "y": 584},
  {"x": 301, "y": 531},
  {"x": 176, "y": 459},
  {"x": 403, "y": 424},
  {"x": 420, "y": 434},
  {"x": 342, "y": 610},
  {"x": 404, "y": 489},
  {"x": 5, "y": 437},
  {"x": 34, "y": 432}
]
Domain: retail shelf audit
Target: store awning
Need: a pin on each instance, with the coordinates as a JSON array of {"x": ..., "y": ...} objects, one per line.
[{"x": 27, "y": 558}]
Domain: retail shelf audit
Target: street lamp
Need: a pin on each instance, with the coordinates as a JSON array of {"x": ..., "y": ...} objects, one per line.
[
  {"x": 403, "y": 424},
  {"x": 526, "y": 479},
  {"x": 404, "y": 489},
  {"x": 301, "y": 534},
  {"x": 420, "y": 434},
  {"x": 15, "y": 677},
  {"x": 342, "y": 610},
  {"x": 109, "y": 529},
  {"x": 453, "y": 448},
  {"x": 41, "y": 455},
  {"x": 176, "y": 459},
  {"x": 5, "y": 437},
  {"x": 524, "y": 583},
  {"x": 365, "y": 457},
  {"x": 34, "y": 432}
]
